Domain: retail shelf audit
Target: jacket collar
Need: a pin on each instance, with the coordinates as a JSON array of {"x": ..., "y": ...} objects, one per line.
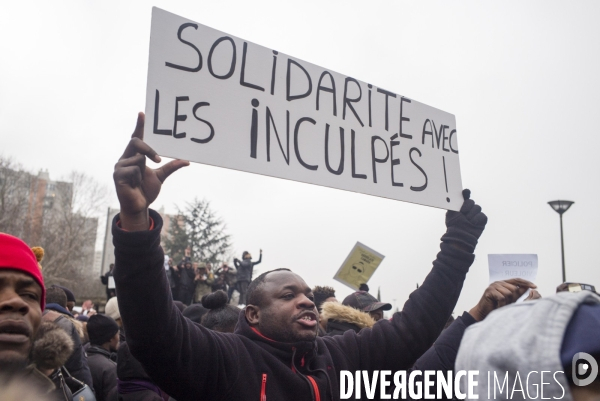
[
  {"x": 94, "y": 349},
  {"x": 59, "y": 309},
  {"x": 284, "y": 351}
]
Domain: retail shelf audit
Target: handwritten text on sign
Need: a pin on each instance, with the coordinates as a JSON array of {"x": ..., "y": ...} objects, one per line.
[
  {"x": 216, "y": 99},
  {"x": 507, "y": 266}
]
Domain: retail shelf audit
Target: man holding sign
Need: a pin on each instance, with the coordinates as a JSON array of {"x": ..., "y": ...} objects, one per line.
[{"x": 275, "y": 352}]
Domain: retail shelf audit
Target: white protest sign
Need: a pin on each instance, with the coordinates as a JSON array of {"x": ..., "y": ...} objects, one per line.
[
  {"x": 111, "y": 283},
  {"x": 507, "y": 266},
  {"x": 359, "y": 266},
  {"x": 220, "y": 100}
]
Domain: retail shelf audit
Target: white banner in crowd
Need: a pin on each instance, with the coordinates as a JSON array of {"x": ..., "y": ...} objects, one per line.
[
  {"x": 217, "y": 99},
  {"x": 507, "y": 266}
]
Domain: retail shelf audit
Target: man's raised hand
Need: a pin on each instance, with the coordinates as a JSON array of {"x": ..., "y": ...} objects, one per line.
[
  {"x": 137, "y": 186},
  {"x": 500, "y": 293},
  {"x": 465, "y": 227}
]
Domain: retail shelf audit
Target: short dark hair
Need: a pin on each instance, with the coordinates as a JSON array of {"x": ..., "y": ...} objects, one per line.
[
  {"x": 55, "y": 295},
  {"x": 321, "y": 293},
  {"x": 253, "y": 296}
]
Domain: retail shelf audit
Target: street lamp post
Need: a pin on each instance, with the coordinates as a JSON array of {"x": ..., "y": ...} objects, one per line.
[{"x": 561, "y": 206}]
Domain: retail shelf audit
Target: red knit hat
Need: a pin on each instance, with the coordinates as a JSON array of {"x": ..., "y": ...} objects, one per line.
[{"x": 15, "y": 254}]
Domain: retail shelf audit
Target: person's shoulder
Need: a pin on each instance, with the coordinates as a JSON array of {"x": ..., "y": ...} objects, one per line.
[
  {"x": 35, "y": 378},
  {"x": 97, "y": 360}
]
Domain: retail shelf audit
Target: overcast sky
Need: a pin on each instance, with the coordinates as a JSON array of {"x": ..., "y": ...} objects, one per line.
[{"x": 522, "y": 79}]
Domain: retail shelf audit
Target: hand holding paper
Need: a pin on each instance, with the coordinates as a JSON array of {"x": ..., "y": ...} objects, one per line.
[{"x": 498, "y": 294}]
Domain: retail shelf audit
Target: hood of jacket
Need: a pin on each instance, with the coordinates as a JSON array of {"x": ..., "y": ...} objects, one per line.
[
  {"x": 59, "y": 309},
  {"x": 346, "y": 314},
  {"x": 521, "y": 338},
  {"x": 52, "y": 346}
]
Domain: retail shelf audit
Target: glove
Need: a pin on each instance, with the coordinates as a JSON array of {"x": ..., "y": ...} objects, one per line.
[{"x": 465, "y": 227}]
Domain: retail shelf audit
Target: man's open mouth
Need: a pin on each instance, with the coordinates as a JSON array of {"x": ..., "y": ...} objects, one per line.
[{"x": 308, "y": 319}]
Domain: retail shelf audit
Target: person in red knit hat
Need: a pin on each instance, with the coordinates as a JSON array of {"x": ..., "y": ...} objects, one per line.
[{"x": 22, "y": 298}]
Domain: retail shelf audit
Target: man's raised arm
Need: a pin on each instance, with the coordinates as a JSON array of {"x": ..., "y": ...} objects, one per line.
[
  {"x": 172, "y": 349},
  {"x": 396, "y": 344}
]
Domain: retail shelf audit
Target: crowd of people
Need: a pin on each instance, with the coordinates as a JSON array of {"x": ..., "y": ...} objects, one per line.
[
  {"x": 190, "y": 281},
  {"x": 170, "y": 333}
]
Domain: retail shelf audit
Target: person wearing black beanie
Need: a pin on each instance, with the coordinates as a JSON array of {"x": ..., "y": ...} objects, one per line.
[
  {"x": 70, "y": 297},
  {"x": 104, "y": 340}
]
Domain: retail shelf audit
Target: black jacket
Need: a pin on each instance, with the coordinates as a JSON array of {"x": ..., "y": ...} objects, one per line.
[
  {"x": 245, "y": 268},
  {"x": 190, "y": 362},
  {"x": 442, "y": 355},
  {"x": 134, "y": 384},
  {"x": 186, "y": 277},
  {"x": 104, "y": 373}
]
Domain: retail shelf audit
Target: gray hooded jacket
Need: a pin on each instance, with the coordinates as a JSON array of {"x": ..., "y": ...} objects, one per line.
[{"x": 520, "y": 339}]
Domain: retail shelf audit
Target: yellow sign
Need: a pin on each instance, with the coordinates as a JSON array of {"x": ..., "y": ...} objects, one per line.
[{"x": 359, "y": 266}]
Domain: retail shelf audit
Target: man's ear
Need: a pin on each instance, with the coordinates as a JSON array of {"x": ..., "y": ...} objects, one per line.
[{"x": 252, "y": 313}]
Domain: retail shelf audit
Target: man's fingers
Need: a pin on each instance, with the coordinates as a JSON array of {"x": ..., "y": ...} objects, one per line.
[
  {"x": 131, "y": 176},
  {"x": 163, "y": 172},
  {"x": 136, "y": 145},
  {"x": 475, "y": 210},
  {"x": 137, "y": 160},
  {"x": 508, "y": 294},
  {"x": 533, "y": 295},
  {"x": 497, "y": 298},
  {"x": 479, "y": 220},
  {"x": 467, "y": 206},
  {"x": 138, "y": 132},
  {"x": 521, "y": 282},
  {"x": 466, "y": 193}
]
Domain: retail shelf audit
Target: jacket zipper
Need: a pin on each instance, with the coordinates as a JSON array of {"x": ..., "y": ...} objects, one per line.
[
  {"x": 315, "y": 388},
  {"x": 310, "y": 380},
  {"x": 263, "y": 388}
]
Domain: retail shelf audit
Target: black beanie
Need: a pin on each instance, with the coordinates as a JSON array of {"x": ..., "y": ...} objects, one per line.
[
  {"x": 70, "y": 295},
  {"x": 101, "y": 329}
]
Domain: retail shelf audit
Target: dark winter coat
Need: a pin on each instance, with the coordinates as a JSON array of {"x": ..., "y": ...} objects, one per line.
[
  {"x": 77, "y": 363},
  {"x": 441, "y": 356},
  {"x": 104, "y": 373},
  {"x": 245, "y": 268},
  {"x": 190, "y": 362},
  {"x": 133, "y": 382},
  {"x": 230, "y": 275},
  {"x": 186, "y": 277}
]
